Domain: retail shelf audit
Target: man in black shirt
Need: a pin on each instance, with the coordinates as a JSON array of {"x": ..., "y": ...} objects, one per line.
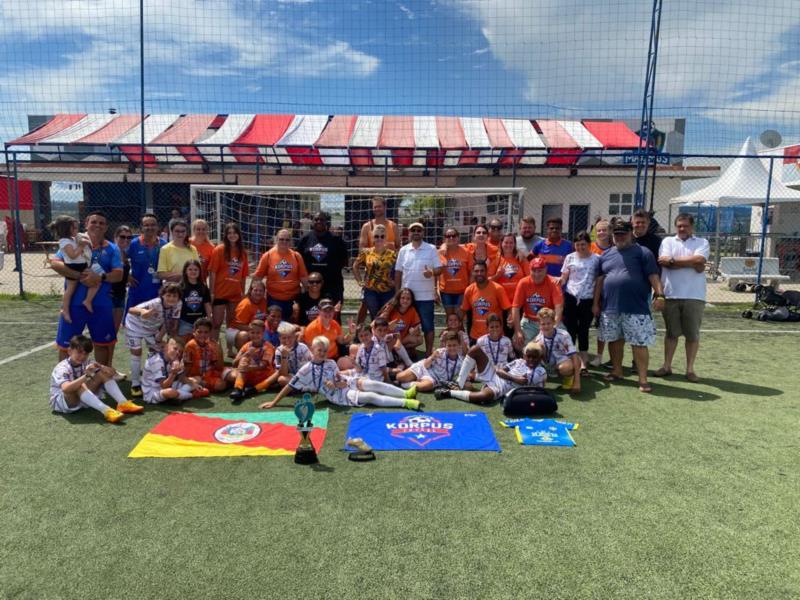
[
  {"x": 644, "y": 232},
  {"x": 325, "y": 253}
]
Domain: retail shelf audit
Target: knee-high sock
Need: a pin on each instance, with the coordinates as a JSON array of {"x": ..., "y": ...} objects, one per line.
[
  {"x": 113, "y": 390},
  {"x": 378, "y": 400},
  {"x": 403, "y": 354},
  {"x": 89, "y": 399},
  {"x": 368, "y": 385},
  {"x": 466, "y": 366},
  {"x": 184, "y": 391},
  {"x": 460, "y": 395},
  {"x": 136, "y": 370}
]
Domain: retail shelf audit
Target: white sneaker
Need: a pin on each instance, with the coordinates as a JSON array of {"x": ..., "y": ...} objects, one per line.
[
  {"x": 595, "y": 362},
  {"x": 120, "y": 376}
]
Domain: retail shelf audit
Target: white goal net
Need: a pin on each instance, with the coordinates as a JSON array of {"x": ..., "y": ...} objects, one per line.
[{"x": 261, "y": 211}]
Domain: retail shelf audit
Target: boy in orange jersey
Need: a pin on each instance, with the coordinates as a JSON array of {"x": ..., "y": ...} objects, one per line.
[
  {"x": 202, "y": 358},
  {"x": 254, "y": 365}
]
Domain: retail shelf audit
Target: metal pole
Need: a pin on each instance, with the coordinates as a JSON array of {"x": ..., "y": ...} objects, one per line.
[
  {"x": 17, "y": 227},
  {"x": 142, "y": 194},
  {"x": 764, "y": 218}
]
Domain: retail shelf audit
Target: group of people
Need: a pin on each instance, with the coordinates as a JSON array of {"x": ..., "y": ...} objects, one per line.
[{"x": 518, "y": 308}]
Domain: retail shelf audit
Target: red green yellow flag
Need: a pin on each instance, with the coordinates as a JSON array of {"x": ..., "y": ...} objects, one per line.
[{"x": 184, "y": 435}]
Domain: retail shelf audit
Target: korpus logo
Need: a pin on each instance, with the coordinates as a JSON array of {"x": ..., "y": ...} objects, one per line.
[
  {"x": 420, "y": 429},
  {"x": 234, "y": 266},
  {"x": 453, "y": 266},
  {"x": 535, "y": 302},
  {"x": 319, "y": 252},
  {"x": 283, "y": 268},
  {"x": 509, "y": 270},
  {"x": 482, "y": 306}
]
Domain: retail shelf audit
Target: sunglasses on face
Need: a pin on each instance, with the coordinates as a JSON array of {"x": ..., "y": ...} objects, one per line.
[
  {"x": 451, "y": 235},
  {"x": 314, "y": 282},
  {"x": 378, "y": 237},
  {"x": 284, "y": 240},
  {"x": 124, "y": 237},
  {"x": 494, "y": 226}
]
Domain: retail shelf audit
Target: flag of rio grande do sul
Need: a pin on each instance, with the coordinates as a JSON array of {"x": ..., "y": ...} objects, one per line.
[{"x": 185, "y": 435}]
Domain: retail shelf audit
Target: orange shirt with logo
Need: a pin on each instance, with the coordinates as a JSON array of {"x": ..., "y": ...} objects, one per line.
[
  {"x": 261, "y": 357},
  {"x": 283, "y": 273},
  {"x": 405, "y": 321},
  {"x": 201, "y": 359},
  {"x": 456, "y": 272},
  {"x": 247, "y": 311},
  {"x": 230, "y": 275},
  {"x": 333, "y": 332},
  {"x": 204, "y": 251},
  {"x": 481, "y": 303},
  {"x": 510, "y": 271},
  {"x": 531, "y": 296}
]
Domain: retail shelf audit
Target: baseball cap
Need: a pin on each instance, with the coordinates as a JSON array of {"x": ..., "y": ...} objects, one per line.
[
  {"x": 325, "y": 303},
  {"x": 622, "y": 227},
  {"x": 538, "y": 263},
  {"x": 417, "y": 224}
]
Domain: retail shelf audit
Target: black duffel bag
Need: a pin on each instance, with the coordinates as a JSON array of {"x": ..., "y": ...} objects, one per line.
[{"x": 528, "y": 400}]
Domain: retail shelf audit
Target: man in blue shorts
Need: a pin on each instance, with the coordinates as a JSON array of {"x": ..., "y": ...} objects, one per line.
[
  {"x": 143, "y": 282},
  {"x": 106, "y": 259}
]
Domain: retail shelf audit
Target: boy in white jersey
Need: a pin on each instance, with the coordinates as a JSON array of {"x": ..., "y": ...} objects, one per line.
[
  {"x": 439, "y": 369},
  {"x": 560, "y": 355},
  {"x": 148, "y": 322},
  {"x": 165, "y": 378},
  {"x": 321, "y": 375},
  {"x": 498, "y": 381},
  {"x": 371, "y": 358},
  {"x": 494, "y": 344},
  {"x": 291, "y": 354},
  {"x": 75, "y": 382}
]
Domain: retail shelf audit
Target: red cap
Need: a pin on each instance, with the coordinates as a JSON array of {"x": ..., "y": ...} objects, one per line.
[{"x": 538, "y": 263}]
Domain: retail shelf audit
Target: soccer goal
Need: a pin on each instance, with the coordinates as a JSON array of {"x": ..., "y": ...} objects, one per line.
[{"x": 261, "y": 211}]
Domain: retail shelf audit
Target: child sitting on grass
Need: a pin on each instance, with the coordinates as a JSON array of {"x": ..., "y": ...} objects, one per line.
[
  {"x": 440, "y": 369},
  {"x": 497, "y": 381},
  {"x": 164, "y": 378},
  {"x": 291, "y": 354},
  {"x": 75, "y": 382},
  {"x": 496, "y": 345},
  {"x": 76, "y": 248},
  {"x": 202, "y": 358},
  {"x": 455, "y": 325},
  {"x": 560, "y": 355},
  {"x": 371, "y": 358},
  {"x": 321, "y": 375},
  {"x": 254, "y": 365}
]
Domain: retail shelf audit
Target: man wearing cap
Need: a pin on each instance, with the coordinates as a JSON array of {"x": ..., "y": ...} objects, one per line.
[
  {"x": 417, "y": 268},
  {"x": 626, "y": 274},
  {"x": 554, "y": 248},
  {"x": 537, "y": 291},
  {"x": 325, "y": 253}
]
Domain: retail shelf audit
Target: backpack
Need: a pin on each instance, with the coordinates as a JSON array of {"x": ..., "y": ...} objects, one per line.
[{"x": 527, "y": 400}]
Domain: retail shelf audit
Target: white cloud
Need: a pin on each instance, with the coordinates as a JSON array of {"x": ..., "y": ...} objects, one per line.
[{"x": 407, "y": 11}]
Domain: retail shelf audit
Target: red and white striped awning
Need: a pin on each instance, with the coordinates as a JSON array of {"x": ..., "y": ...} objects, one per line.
[{"x": 345, "y": 141}]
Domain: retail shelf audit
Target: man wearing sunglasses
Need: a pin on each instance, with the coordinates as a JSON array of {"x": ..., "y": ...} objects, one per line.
[{"x": 326, "y": 254}]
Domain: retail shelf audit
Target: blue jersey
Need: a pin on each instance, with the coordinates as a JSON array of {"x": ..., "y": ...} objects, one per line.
[
  {"x": 106, "y": 257},
  {"x": 144, "y": 268},
  {"x": 553, "y": 254}
]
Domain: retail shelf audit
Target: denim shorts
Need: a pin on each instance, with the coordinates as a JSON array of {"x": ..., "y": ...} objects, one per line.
[
  {"x": 451, "y": 300},
  {"x": 425, "y": 311}
]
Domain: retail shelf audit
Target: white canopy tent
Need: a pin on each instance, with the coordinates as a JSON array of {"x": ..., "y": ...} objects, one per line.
[{"x": 745, "y": 181}]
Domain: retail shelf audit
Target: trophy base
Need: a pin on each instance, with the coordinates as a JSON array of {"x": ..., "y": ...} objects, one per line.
[{"x": 305, "y": 456}]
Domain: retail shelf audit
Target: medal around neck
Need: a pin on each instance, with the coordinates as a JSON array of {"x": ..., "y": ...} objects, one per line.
[{"x": 305, "y": 454}]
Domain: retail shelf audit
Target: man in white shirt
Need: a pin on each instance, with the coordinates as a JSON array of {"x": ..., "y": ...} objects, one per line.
[
  {"x": 682, "y": 259},
  {"x": 417, "y": 269}
]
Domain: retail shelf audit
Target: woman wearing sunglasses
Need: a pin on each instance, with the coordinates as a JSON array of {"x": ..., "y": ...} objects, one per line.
[
  {"x": 378, "y": 265},
  {"x": 456, "y": 271},
  {"x": 306, "y": 306}
]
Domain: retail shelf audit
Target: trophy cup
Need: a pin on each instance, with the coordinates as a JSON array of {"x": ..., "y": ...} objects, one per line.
[{"x": 304, "y": 410}]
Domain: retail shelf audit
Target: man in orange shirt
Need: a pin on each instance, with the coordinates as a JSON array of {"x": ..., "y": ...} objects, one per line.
[
  {"x": 481, "y": 299},
  {"x": 285, "y": 272},
  {"x": 533, "y": 293},
  {"x": 326, "y": 326}
]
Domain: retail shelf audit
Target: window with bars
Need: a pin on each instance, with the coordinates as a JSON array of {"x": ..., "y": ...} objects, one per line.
[{"x": 620, "y": 205}]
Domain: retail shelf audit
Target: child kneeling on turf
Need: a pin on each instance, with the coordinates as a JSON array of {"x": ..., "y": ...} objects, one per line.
[
  {"x": 202, "y": 358},
  {"x": 497, "y": 381},
  {"x": 560, "y": 355},
  {"x": 75, "y": 382},
  {"x": 440, "y": 369},
  {"x": 164, "y": 377},
  {"x": 322, "y": 375},
  {"x": 255, "y": 369},
  {"x": 291, "y": 354}
]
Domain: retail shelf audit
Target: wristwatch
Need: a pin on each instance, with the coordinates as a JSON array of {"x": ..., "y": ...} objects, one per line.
[
  {"x": 103, "y": 277},
  {"x": 672, "y": 261}
]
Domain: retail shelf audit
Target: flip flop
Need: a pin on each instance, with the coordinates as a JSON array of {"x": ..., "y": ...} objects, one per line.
[
  {"x": 662, "y": 372},
  {"x": 645, "y": 388},
  {"x": 692, "y": 376}
]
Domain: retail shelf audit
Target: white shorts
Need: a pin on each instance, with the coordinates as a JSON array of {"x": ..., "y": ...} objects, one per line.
[
  {"x": 345, "y": 397},
  {"x": 421, "y": 372},
  {"x": 491, "y": 380},
  {"x": 135, "y": 342},
  {"x": 153, "y": 398},
  {"x": 58, "y": 403}
]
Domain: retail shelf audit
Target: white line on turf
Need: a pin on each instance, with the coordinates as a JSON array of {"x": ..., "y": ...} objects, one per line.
[
  {"x": 28, "y": 322},
  {"x": 27, "y": 352}
]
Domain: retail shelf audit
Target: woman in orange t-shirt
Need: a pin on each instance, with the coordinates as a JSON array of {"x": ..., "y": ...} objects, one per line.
[
  {"x": 285, "y": 272},
  {"x": 227, "y": 273},
  {"x": 251, "y": 307},
  {"x": 603, "y": 241},
  {"x": 481, "y": 250},
  {"x": 455, "y": 277},
  {"x": 510, "y": 267},
  {"x": 203, "y": 245},
  {"x": 404, "y": 321}
]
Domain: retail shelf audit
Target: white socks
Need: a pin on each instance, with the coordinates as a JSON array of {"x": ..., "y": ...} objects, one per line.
[
  {"x": 113, "y": 390},
  {"x": 460, "y": 395},
  {"x": 466, "y": 366},
  {"x": 403, "y": 354},
  {"x": 378, "y": 400},
  {"x": 136, "y": 370},
  {"x": 185, "y": 391},
  {"x": 368, "y": 385},
  {"x": 89, "y": 399}
]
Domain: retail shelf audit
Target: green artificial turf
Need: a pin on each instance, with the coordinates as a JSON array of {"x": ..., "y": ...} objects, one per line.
[{"x": 690, "y": 492}]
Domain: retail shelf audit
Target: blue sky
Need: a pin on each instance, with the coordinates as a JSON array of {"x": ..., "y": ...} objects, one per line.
[{"x": 731, "y": 68}]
